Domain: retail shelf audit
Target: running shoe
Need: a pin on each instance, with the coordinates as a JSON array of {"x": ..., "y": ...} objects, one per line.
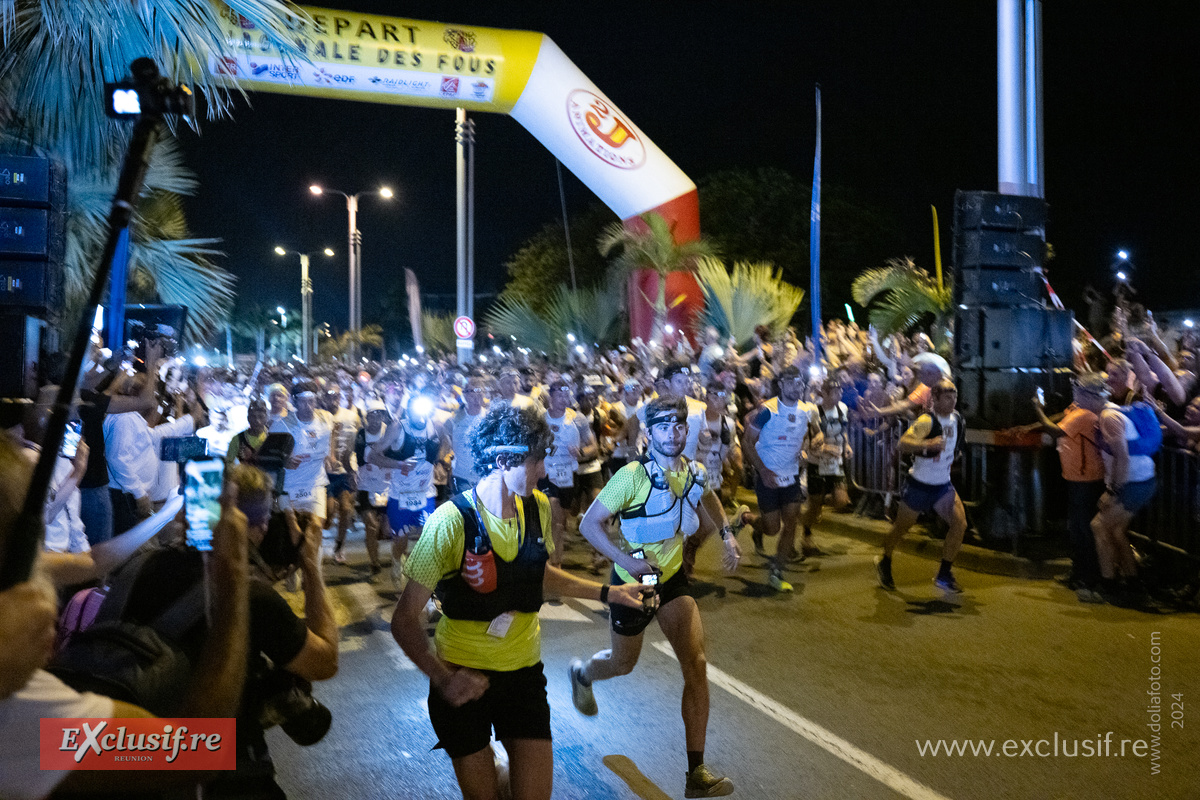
[
  {"x": 947, "y": 584},
  {"x": 702, "y": 783},
  {"x": 376, "y": 568},
  {"x": 757, "y": 537},
  {"x": 777, "y": 583},
  {"x": 339, "y": 557},
  {"x": 582, "y": 695},
  {"x": 1088, "y": 595},
  {"x": 884, "y": 571}
]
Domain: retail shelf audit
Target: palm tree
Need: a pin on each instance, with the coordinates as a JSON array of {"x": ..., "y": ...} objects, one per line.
[
  {"x": 53, "y": 64},
  {"x": 342, "y": 346},
  {"x": 750, "y": 295},
  {"x": 590, "y": 315},
  {"x": 902, "y": 297},
  {"x": 653, "y": 248},
  {"x": 438, "y": 332}
]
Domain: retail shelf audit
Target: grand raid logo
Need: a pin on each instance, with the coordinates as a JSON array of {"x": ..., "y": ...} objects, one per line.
[{"x": 603, "y": 131}]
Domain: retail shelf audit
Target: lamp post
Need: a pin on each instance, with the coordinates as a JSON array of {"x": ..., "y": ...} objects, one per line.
[
  {"x": 305, "y": 298},
  {"x": 354, "y": 256}
]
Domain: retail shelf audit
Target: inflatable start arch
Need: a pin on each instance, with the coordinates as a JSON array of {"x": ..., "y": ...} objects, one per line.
[{"x": 519, "y": 73}]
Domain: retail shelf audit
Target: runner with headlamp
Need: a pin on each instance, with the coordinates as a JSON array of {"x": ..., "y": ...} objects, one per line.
[
  {"x": 410, "y": 448},
  {"x": 486, "y": 553},
  {"x": 658, "y": 502}
]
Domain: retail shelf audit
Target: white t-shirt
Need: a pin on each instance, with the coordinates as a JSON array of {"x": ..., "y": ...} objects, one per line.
[
  {"x": 311, "y": 447},
  {"x": 21, "y": 775},
  {"x": 935, "y": 471},
  {"x": 348, "y": 420},
  {"x": 781, "y": 437},
  {"x": 569, "y": 431}
]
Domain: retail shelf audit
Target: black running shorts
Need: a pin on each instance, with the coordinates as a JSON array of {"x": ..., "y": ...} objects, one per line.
[
  {"x": 628, "y": 621},
  {"x": 514, "y": 704}
]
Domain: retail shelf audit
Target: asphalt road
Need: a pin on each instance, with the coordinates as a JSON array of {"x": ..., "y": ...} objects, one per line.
[{"x": 825, "y": 693}]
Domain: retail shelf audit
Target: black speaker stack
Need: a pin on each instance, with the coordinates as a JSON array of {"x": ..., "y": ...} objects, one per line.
[
  {"x": 33, "y": 205},
  {"x": 1007, "y": 342}
]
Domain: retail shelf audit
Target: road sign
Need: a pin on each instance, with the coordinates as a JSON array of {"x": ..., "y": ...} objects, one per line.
[{"x": 464, "y": 328}]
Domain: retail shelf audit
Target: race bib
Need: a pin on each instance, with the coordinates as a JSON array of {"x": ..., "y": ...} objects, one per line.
[
  {"x": 785, "y": 480},
  {"x": 413, "y": 502},
  {"x": 300, "y": 494},
  {"x": 562, "y": 476}
]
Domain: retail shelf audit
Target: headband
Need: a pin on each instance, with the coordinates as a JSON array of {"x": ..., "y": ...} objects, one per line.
[{"x": 665, "y": 415}]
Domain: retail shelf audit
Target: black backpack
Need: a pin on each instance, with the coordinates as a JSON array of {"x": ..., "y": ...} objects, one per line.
[{"x": 139, "y": 664}]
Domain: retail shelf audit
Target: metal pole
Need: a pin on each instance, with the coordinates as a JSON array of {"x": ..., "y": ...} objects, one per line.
[
  {"x": 352, "y": 257},
  {"x": 562, "y": 197},
  {"x": 460, "y": 198},
  {"x": 1010, "y": 103},
  {"x": 1033, "y": 99},
  {"x": 471, "y": 218},
  {"x": 305, "y": 307}
]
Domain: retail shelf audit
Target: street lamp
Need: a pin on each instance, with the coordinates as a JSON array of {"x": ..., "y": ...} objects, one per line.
[
  {"x": 354, "y": 256},
  {"x": 305, "y": 298}
]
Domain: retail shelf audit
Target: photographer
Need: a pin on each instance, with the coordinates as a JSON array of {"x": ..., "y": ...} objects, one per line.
[
  {"x": 285, "y": 652},
  {"x": 28, "y": 693}
]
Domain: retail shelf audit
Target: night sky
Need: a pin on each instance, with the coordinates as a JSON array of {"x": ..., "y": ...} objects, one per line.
[{"x": 909, "y": 106}]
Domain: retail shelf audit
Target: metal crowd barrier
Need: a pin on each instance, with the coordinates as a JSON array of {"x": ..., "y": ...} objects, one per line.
[
  {"x": 875, "y": 468},
  {"x": 1173, "y": 515}
]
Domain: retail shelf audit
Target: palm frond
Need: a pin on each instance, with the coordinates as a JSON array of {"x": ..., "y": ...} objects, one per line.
[
  {"x": 179, "y": 272},
  {"x": 654, "y": 248},
  {"x": 902, "y": 296},
  {"x": 438, "y": 332},
  {"x": 751, "y": 294},
  {"x": 60, "y": 54},
  {"x": 591, "y": 314},
  {"x": 516, "y": 321}
]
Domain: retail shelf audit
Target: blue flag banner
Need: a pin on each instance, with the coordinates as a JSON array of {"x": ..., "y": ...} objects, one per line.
[
  {"x": 814, "y": 238},
  {"x": 116, "y": 294}
]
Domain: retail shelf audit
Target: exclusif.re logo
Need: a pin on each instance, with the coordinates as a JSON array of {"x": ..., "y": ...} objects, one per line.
[
  {"x": 95, "y": 743},
  {"x": 603, "y": 131}
]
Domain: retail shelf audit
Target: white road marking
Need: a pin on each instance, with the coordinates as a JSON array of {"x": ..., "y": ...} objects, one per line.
[{"x": 887, "y": 775}]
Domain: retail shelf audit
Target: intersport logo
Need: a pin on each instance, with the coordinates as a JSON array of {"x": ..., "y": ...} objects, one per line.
[{"x": 99, "y": 743}]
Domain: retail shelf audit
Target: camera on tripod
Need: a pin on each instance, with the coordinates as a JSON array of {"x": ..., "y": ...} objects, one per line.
[{"x": 147, "y": 93}]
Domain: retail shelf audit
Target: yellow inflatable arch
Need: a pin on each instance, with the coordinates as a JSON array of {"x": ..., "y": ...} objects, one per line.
[{"x": 520, "y": 73}]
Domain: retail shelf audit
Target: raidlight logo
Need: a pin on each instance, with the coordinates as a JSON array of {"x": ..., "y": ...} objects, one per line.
[
  {"x": 96, "y": 743},
  {"x": 603, "y": 131}
]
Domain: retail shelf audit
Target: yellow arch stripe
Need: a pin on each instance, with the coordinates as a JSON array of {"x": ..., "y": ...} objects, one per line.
[{"x": 385, "y": 60}]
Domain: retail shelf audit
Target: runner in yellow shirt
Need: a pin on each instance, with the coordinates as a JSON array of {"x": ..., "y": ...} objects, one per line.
[
  {"x": 658, "y": 501},
  {"x": 486, "y": 554}
]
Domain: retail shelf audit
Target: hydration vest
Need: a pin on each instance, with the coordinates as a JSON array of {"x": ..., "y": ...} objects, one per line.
[
  {"x": 663, "y": 514},
  {"x": 517, "y": 583}
]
